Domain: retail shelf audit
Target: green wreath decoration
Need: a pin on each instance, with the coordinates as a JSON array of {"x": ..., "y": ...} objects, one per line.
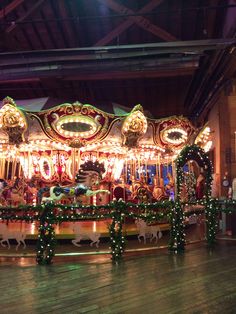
[{"x": 196, "y": 153}]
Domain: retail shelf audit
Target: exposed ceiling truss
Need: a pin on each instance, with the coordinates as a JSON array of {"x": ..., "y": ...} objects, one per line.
[
  {"x": 9, "y": 8},
  {"x": 134, "y": 18},
  {"x": 24, "y": 16},
  {"x": 174, "y": 53}
]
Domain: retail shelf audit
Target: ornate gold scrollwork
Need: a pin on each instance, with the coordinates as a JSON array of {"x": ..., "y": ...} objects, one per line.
[
  {"x": 173, "y": 132},
  {"x": 134, "y": 127},
  {"x": 12, "y": 121},
  {"x": 75, "y": 124}
]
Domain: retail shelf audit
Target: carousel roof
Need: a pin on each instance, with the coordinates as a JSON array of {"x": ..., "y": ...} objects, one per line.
[{"x": 84, "y": 126}]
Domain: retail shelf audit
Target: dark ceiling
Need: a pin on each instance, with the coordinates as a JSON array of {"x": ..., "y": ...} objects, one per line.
[{"x": 172, "y": 56}]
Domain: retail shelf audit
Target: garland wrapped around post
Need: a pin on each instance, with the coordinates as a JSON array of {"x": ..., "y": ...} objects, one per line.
[
  {"x": 117, "y": 240},
  {"x": 177, "y": 235},
  {"x": 46, "y": 236},
  {"x": 194, "y": 152},
  {"x": 211, "y": 221}
]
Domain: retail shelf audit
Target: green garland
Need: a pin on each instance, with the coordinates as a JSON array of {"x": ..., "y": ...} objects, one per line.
[
  {"x": 177, "y": 236},
  {"x": 226, "y": 206},
  {"x": 211, "y": 221},
  {"x": 50, "y": 214},
  {"x": 117, "y": 240},
  {"x": 46, "y": 236},
  {"x": 192, "y": 152},
  {"x": 117, "y": 211}
]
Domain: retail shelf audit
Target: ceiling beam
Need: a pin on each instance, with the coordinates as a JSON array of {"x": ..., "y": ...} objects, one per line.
[
  {"x": 112, "y": 75},
  {"x": 24, "y": 16},
  {"x": 69, "y": 29},
  {"x": 97, "y": 68},
  {"x": 212, "y": 77},
  {"x": 211, "y": 20},
  {"x": 122, "y": 75},
  {"x": 9, "y": 8},
  {"x": 31, "y": 60},
  {"x": 126, "y": 24},
  {"x": 21, "y": 81},
  {"x": 114, "y": 33},
  {"x": 139, "y": 20},
  {"x": 186, "y": 48}
]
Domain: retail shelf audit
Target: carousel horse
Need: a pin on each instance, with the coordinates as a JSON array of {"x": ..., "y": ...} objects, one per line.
[
  {"x": 3, "y": 185},
  {"x": 85, "y": 235},
  {"x": 143, "y": 194},
  {"x": 15, "y": 193},
  {"x": 144, "y": 231},
  {"x": 88, "y": 177},
  {"x": 6, "y": 235},
  {"x": 16, "y": 197},
  {"x": 11, "y": 195},
  {"x": 30, "y": 192}
]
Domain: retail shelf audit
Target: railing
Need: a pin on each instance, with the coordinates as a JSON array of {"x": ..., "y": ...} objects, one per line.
[{"x": 49, "y": 214}]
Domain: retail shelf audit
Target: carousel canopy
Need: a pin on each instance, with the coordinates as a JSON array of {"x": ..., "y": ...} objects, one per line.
[
  {"x": 84, "y": 126},
  {"x": 52, "y": 143}
]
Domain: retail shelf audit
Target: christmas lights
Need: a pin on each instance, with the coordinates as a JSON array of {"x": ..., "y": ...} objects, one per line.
[{"x": 50, "y": 214}]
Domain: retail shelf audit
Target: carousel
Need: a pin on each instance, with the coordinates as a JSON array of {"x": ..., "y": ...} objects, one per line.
[{"x": 47, "y": 148}]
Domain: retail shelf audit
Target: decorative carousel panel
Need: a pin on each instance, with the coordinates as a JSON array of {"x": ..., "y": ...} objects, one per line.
[
  {"x": 204, "y": 139},
  {"x": 12, "y": 121},
  {"x": 134, "y": 127},
  {"x": 174, "y": 132},
  {"x": 49, "y": 166},
  {"x": 75, "y": 124},
  {"x": 46, "y": 168},
  {"x": 148, "y": 137}
]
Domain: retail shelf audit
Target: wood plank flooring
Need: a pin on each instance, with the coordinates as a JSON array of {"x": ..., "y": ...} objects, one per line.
[{"x": 200, "y": 281}]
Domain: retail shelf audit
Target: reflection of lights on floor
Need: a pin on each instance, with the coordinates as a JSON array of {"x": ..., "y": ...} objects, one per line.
[
  {"x": 82, "y": 253},
  {"x": 94, "y": 226}
]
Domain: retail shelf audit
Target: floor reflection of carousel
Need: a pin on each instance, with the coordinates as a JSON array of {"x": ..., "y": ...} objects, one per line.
[{"x": 40, "y": 150}]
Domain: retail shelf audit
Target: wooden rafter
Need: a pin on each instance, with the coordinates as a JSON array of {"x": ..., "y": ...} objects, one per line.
[
  {"x": 139, "y": 20},
  {"x": 211, "y": 20},
  {"x": 23, "y": 17},
  {"x": 114, "y": 33},
  {"x": 121, "y": 75},
  {"x": 65, "y": 24},
  {"x": 9, "y": 8}
]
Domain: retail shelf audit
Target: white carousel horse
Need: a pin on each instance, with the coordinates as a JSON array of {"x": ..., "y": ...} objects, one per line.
[
  {"x": 6, "y": 235},
  {"x": 82, "y": 235},
  {"x": 144, "y": 231}
]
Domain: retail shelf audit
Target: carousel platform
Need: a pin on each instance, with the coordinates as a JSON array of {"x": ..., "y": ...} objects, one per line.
[
  {"x": 82, "y": 250},
  {"x": 65, "y": 230}
]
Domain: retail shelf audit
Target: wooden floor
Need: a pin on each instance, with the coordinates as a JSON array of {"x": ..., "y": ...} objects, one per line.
[{"x": 200, "y": 281}]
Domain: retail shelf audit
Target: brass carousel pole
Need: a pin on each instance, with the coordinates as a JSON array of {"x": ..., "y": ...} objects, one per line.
[
  {"x": 73, "y": 152},
  {"x": 159, "y": 167},
  {"x": 78, "y": 159},
  {"x": 7, "y": 172}
]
